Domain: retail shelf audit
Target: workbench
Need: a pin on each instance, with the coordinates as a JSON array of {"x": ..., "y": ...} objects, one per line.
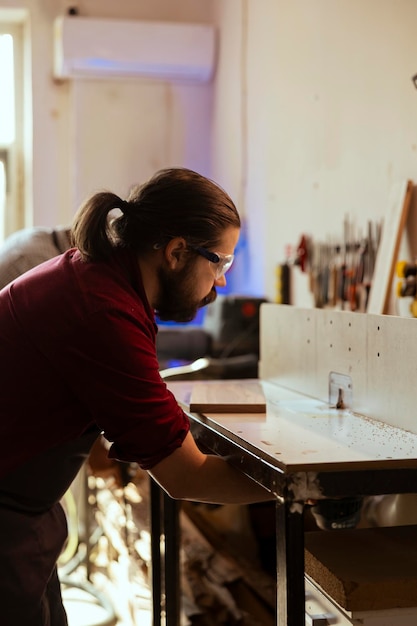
[{"x": 304, "y": 447}]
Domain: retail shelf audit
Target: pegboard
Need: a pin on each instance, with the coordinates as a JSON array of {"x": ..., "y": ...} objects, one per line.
[{"x": 300, "y": 348}]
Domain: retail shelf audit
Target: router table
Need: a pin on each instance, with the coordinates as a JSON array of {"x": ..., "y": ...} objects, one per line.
[{"x": 304, "y": 447}]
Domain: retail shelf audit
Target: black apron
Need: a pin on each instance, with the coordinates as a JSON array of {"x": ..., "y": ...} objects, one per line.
[{"x": 33, "y": 531}]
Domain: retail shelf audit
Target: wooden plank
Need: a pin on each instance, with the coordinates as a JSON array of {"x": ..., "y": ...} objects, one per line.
[
  {"x": 408, "y": 248},
  {"x": 228, "y": 397},
  {"x": 365, "y": 569},
  {"x": 387, "y": 255}
]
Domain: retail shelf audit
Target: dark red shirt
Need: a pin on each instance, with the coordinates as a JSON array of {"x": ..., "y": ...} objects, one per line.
[{"x": 77, "y": 349}]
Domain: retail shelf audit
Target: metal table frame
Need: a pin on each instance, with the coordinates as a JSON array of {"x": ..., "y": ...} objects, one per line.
[{"x": 289, "y": 518}]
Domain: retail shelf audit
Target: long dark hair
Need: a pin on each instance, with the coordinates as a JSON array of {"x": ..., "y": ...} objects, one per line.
[{"x": 174, "y": 202}]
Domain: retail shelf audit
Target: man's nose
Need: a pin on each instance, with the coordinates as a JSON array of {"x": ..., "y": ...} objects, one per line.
[{"x": 220, "y": 282}]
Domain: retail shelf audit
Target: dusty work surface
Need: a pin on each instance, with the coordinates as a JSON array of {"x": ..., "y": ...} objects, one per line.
[
  {"x": 365, "y": 569},
  {"x": 300, "y": 433}
]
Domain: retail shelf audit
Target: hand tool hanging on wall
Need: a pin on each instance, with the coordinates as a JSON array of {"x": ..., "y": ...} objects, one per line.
[
  {"x": 340, "y": 271},
  {"x": 407, "y": 285},
  {"x": 283, "y": 280}
]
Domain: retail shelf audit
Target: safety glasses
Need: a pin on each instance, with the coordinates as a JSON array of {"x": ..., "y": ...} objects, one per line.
[{"x": 221, "y": 262}]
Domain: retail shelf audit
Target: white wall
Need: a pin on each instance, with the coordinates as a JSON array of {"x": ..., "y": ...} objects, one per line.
[
  {"x": 318, "y": 95},
  {"x": 124, "y": 131},
  {"x": 314, "y": 117},
  {"x": 90, "y": 135}
]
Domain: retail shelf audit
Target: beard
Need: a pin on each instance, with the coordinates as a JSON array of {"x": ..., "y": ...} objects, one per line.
[{"x": 176, "y": 301}]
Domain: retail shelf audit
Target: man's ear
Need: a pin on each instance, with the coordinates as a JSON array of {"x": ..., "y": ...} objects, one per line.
[{"x": 175, "y": 252}]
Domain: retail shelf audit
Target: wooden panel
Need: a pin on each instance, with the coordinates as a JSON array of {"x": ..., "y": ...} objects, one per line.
[
  {"x": 365, "y": 569},
  {"x": 387, "y": 256},
  {"x": 392, "y": 371},
  {"x": 288, "y": 347},
  {"x": 410, "y": 239},
  {"x": 341, "y": 347},
  {"x": 299, "y": 349},
  {"x": 227, "y": 397}
]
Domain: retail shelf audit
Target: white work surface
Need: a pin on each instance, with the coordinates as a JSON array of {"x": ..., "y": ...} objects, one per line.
[{"x": 300, "y": 433}]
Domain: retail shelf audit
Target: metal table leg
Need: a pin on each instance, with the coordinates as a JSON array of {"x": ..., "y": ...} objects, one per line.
[
  {"x": 166, "y": 566},
  {"x": 290, "y": 565},
  {"x": 155, "y": 514},
  {"x": 172, "y": 561}
]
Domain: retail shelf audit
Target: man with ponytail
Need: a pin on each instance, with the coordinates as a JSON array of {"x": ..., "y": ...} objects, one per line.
[{"x": 79, "y": 359}]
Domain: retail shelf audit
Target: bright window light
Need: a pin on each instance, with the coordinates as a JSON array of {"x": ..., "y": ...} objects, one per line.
[
  {"x": 7, "y": 103},
  {"x": 2, "y": 199}
]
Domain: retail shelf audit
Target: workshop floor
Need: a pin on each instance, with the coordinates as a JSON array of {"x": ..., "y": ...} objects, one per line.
[
  {"x": 119, "y": 564},
  {"x": 83, "y": 609},
  {"x": 116, "y": 590}
]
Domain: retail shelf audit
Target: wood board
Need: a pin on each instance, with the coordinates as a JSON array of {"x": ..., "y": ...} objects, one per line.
[
  {"x": 365, "y": 569},
  {"x": 387, "y": 255},
  {"x": 228, "y": 397}
]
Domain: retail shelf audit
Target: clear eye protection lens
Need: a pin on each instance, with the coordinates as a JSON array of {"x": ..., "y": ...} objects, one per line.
[
  {"x": 220, "y": 262},
  {"x": 223, "y": 265}
]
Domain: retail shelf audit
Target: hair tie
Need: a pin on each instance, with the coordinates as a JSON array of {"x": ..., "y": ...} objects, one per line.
[{"x": 124, "y": 206}]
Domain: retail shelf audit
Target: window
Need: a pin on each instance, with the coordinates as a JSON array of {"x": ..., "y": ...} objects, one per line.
[
  {"x": 11, "y": 136},
  {"x": 7, "y": 101}
]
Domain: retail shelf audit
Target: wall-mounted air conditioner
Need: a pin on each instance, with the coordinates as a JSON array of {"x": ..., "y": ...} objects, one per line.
[{"x": 87, "y": 47}]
